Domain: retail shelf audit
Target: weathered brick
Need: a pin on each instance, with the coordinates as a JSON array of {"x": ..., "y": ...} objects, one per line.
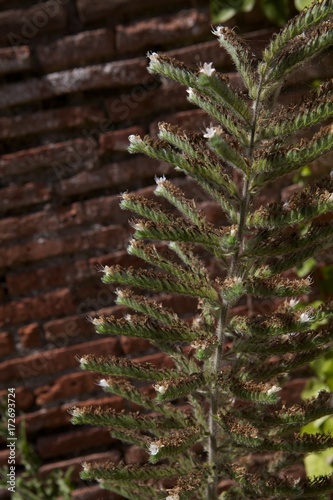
[
  {"x": 185, "y": 24},
  {"x": 46, "y": 121},
  {"x": 117, "y": 140},
  {"x": 192, "y": 120},
  {"x": 110, "y": 176},
  {"x": 92, "y": 11},
  {"x": 42, "y": 306},
  {"x": 26, "y": 195},
  {"x": 99, "y": 76},
  {"x": 77, "y": 326},
  {"x": 72, "y": 442},
  {"x": 76, "y": 463},
  {"x": 6, "y": 344},
  {"x": 132, "y": 345},
  {"x": 60, "y": 275},
  {"x": 63, "y": 157},
  {"x": 102, "y": 239},
  {"x": 143, "y": 101},
  {"x": 76, "y": 50},
  {"x": 97, "y": 210},
  {"x": 135, "y": 455},
  {"x": 67, "y": 387},
  {"x": 54, "y": 360},
  {"x": 22, "y": 25},
  {"x": 15, "y": 59},
  {"x": 30, "y": 336}
]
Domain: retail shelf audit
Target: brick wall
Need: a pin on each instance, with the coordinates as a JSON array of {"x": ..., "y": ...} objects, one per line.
[{"x": 73, "y": 86}]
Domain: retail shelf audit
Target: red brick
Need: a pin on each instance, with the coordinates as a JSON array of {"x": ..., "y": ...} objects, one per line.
[
  {"x": 100, "y": 76},
  {"x": 193, "y": 120},
  {"x": 76, "y": 50},
  {"x": 54, "y": 276},
  {"x": 15, "y": 59},
  {"x": 112, "y": 175},
  {"x": 117, "y": 140},
  {"x": 54, "y": 360},
  {"x": 42, "y": 306},
  {"x": 69, "y": 387},
  {"x": 99, "y": 9},
  {"x": 135, "y": 455},
  {"x": 22, "y": 25},
  {"x": 59, "y": 417},
  {"x": 72, "y": 442},
  {"x": 63, "y": 157},
  {"x": 102, "y": 239},
  {"x": 97, "y": 210},
  {"x": 112, "y": 456},
  {"x": 26, "y": 195},
  {"x": 46, "y": 121},
  {"x": 77, "y": 326},
  {"x": 6, "y": 344},
  {"x": 132, "y": 345},
  {"x": 142, "y": 101},
  {"x": 185, "y": 24},
  {"x": 30, "y": 336}
]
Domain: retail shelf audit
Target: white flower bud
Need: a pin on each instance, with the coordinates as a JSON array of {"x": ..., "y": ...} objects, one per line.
[
  {"x": 153, "y": 449},
  {"x": 210, "y": 132},
  {"x": 208, "y": 69},
  {"x": 135, "y": 139},
  {"x": 103, "y": 383},
  {"x": 273, "y": 390},
  {"x": 161, "y": 388},
  {"x": 305, "y": 317}
]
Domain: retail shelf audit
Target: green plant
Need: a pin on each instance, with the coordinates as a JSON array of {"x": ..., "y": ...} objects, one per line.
[
  {"x": 224, "y": 392},
  {"x": 277, "y": 11},
  {"x": 28, "y": 485}
]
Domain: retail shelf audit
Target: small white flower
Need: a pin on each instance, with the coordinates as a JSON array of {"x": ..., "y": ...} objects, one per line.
[
  {"x": 233, "y": 232},
  {"x": 293, "y": 302},
  {"x": 135, "y": 139},
  {"x": 160, "y": 388},
  {"x": 103, "y": 383},
  {"x": 138, "y": 226},
  {"x": 309, "y": 280},
  {"x": 106, "y": 269},
  {"x": 305, "y": 317},
  {"x": 210, "y": 132},
  {"x": 75, "y": 412},
  {"x": 190, "y": 93},
  {"x": 83, "y": 361},
  {"x": 128, "y": 317},
  {"x": 273, "y": 390},
  {"x": 153, "y": 449},
  {"x": 285, "y": 206},
  {"x": 160, "y": 180},
  {"x": 97, "y": 321},
  {"x": 218, "y": 31},
  {"x": 238, "y": 280},
  {"x": 153, "y": 56},
  {"x": 208, "y": 69}
]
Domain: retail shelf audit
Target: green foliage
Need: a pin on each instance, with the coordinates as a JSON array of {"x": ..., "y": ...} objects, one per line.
[
  {"x": 221, "y": 392},
  {"x": 29, "y": 486},
  {"x": 277, "y": 11}
]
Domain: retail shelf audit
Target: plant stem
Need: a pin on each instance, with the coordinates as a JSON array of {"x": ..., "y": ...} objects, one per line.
[{"x": 223, "y": 315}]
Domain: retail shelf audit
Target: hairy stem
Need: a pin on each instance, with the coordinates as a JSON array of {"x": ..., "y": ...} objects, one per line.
[{"x": 223, "y": 315}]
